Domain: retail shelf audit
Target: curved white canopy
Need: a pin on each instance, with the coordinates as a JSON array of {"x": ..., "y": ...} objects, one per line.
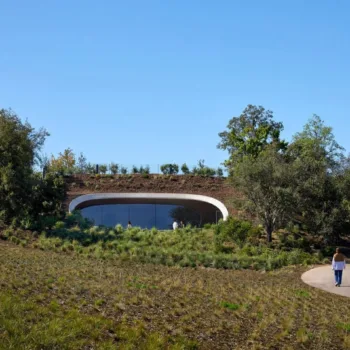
[{"x": 95, "y": 197}]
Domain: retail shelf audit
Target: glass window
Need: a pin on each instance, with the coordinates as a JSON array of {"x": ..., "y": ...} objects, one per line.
[
  {"x": 93, "y": 213},
  {"x": 144, "y": 215}
]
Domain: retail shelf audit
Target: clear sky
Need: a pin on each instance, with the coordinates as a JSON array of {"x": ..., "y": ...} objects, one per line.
[{"x": 149, "y": 82}]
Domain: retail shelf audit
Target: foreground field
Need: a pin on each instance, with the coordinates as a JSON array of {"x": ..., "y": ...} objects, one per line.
[{"x": 54, "y": 300}]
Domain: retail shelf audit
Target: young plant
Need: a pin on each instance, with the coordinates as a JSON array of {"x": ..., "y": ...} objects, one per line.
[
  {"x": 169, "y": 169},
  {"x": 113, "y": 168},
  {"x": 185, "y": 170},
  {"x": 103, "y": 169}
]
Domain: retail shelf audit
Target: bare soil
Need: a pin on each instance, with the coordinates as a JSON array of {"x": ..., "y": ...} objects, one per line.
[{"x": 215, "y": 187}]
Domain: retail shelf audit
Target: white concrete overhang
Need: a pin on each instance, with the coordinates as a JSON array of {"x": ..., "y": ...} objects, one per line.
[{"x": 99, "y": 198}]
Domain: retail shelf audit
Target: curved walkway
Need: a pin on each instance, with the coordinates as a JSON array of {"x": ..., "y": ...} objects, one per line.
[{"x": 323, "y": 278}]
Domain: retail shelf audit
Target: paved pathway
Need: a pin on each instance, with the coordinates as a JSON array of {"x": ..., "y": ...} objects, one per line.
[{"x": 323, "y": 278}]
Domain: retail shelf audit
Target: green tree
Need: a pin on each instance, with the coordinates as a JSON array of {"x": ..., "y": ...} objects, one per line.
[
  {"x": 123, "y": 170},
  {"x": 202, "y": 169},
  {"x": 249, "y": 134},
  {"x": 82, "y": 164},
  {"x": 317, "y": 144},
  {"x": 20, "y": 147},
  {"x": 48, "y": 194},
  {"x": 103, "y": 168},
  {"x": 169, "y": 169},
  {"x": 90, "y": 168},
  {"x": 64, "y": 164},
  {"x": 320, "y": 182},
  {"x": 219, "y": 172},
  {"x": 113, "y": 168},
  {"x": 266, "y": 182},
  {"x": 184, "y": 168}
]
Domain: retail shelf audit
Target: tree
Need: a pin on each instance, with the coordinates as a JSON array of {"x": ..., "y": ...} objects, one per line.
[
  {"x": 123, "y": 170},
  {"x": 266, "y": 182},
  {"x": 113, "y": 168},
  {"x": 47, "y": 197},
  {"x": 320, "y": 180},
  {"x": 20, "y": 146},
  {"x": 185, "y": 170},
  {"x": 144, "y": 169},
  {"x": 202, "y": 169},
  {"x": 317, "y": 142},
  {"x": 90, "y": 168},
  {"x": 103, "y": 169},
  {"x": 64, "y": 164},
  {"x": 135, "y": 169},
  {"x": 249, "y": 134},
  {"x": 219, "y": 172},
  {"x": 169, "y": 169},
  {"x": 82, "y": 164}
]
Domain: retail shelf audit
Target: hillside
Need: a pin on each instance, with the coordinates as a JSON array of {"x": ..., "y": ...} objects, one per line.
[
  {"x": 65, "y": 301},
  {"x": 215, "y": 187}
]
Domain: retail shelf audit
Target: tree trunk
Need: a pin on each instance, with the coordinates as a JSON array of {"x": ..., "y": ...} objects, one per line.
[{"x": 269, "y": 230}]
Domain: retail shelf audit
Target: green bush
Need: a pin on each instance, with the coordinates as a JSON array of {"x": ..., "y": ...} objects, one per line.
[
  {"x": 203, "y": 170},
  {"x": 185, "y": 170},
  {"x": 235, "y": 231},
  {"x": 123, "y": 170},
  {"x": 135, "y": 169},
  {"x": 103, "y": 169},
  {"x": 59, "y": 224},
  {"x": 219, "y": 172},
  {"x": 113, "y": 168},
  {"x": 228, "y": 245},
  {"x": 169, "y": 169}
]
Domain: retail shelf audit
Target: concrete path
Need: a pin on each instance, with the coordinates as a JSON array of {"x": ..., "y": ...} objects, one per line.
[{"x": 323, "y": 278}]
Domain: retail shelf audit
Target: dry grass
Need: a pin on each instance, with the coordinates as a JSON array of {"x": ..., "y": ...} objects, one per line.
[{"x": 125, "y": 305}]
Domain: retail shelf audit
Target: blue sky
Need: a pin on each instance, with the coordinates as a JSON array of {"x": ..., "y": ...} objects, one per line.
[{"x": 150, "y": 82}]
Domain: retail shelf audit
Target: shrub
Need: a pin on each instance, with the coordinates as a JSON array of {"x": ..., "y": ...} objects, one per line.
[
  {"x": 135, "y": 169},
  {"x": 59, "y": 225},
  {"x": 236, "y": 231},
  {"x": 103, "y": 169},
  {"x": 113, "y": 168},
  {"x": 203, "y": 170},
  {"x": 185, "y": 170},
  {"x": 48, "y": 222},
  {"x": 90, "y": 169},
  {"x": 190, "y": 247},
  {"x": 145, "y": 170},
  {"x": 219, "y": 172},
  {"x": 119, "y": 228},
  {"x": 169, "y": 169},
  {"x": 123, "y": 170}
]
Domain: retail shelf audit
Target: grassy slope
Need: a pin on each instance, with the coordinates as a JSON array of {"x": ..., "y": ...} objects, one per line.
[
  {"x": 58, "y": 300},
  {"x": 187, "y": 247}
]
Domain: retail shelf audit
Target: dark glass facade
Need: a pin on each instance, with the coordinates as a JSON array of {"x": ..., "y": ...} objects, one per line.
[{"x": 160, "y": 216}]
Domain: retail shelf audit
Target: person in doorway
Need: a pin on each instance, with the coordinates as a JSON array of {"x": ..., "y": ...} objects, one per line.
[
  {"x": 175, "y": 225},
  {"x": 338, "y": 265},
  {"x": 129, "y": 224}
]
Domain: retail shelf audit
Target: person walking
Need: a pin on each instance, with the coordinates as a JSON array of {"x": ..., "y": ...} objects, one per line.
[
  {"x": 338, "y": 265},
  {"x": 129, "y": 224},
  {"x": 175, "y": 225}
]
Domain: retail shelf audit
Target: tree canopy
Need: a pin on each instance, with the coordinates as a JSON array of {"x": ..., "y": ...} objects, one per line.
[
  {"x": 250, "y": 133},
  {"x": 20, "y": 187},
  {"x": 305, "y": 181}
]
